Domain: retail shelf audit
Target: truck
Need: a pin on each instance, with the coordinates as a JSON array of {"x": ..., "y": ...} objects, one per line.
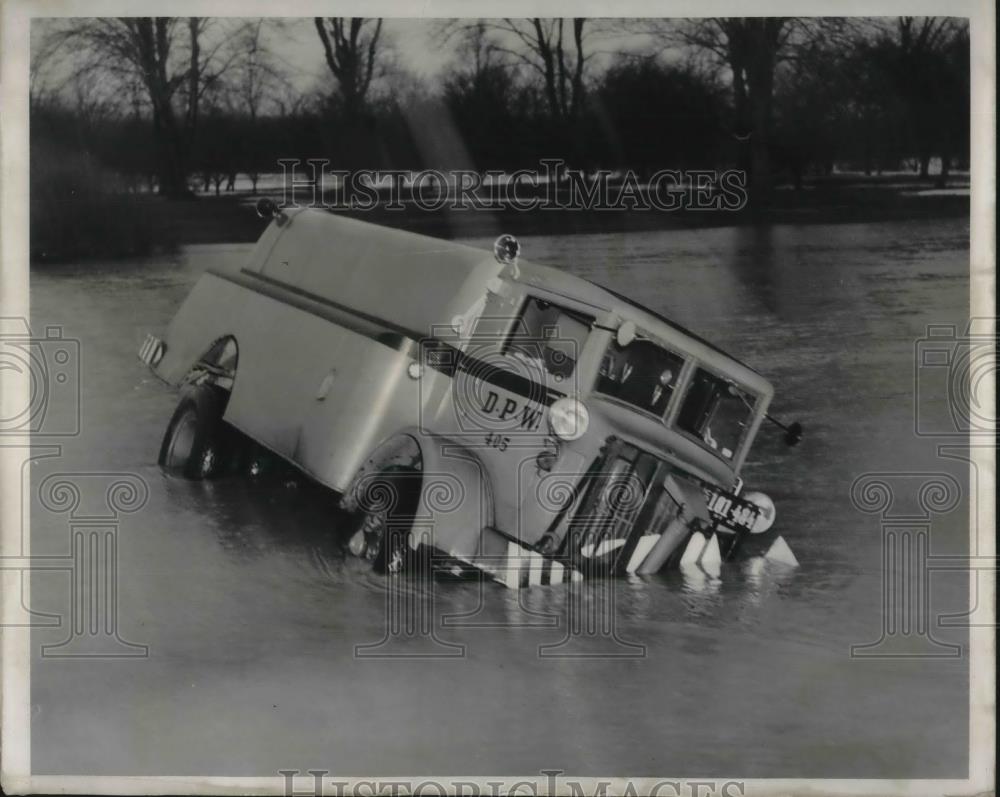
[{"x": 475, "y": 412}]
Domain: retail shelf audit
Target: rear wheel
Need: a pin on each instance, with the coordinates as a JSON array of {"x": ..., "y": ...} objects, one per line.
[{"x": 197, "y": 442}]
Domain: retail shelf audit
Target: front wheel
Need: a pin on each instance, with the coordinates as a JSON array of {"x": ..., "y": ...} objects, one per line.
[
  {"x": 384, "y": 517},
  {"x": 374, "y": 541},
  {"x": 196, "y": 442}
]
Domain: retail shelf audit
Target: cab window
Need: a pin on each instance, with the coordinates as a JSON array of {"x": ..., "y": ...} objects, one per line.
[
  {"x": 717, "y": 412},
  {"x": 549, "y": 335},
  {"x": 642, "y": 374}
]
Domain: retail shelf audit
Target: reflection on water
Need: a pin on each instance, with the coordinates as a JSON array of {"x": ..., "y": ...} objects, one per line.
[{"x": 269, "y": 649}]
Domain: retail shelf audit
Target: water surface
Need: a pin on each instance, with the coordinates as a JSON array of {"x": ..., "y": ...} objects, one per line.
[{"x": 251, "y": 614}]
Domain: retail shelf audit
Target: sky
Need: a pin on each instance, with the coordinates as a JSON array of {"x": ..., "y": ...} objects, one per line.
[
  {"x": 413, "y": 41},
  {"x": 415, "y": 44}
]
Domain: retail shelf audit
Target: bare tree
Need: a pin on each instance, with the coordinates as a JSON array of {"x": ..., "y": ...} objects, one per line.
[
  {"x": 44, "y": 56},
  {"x": 919, "y": 53},
  {"x": 258, "y": 80},
  {"x": 351, "y": 48},
  {"x": 169, "y": 58},
  {"x": 259, "y": 76},
  {"x": 750, "y": 49},
  {"x": 477, "y": 51},
  {"x": 554, "y": 50}
]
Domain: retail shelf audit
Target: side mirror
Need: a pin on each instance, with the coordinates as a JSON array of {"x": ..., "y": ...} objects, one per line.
[
  {"x": 625, "y": 334},
  {"x": 793, "y": 433}
]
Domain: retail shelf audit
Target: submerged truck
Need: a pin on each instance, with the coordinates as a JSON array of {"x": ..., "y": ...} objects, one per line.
[{"x": 472, "y": 409}]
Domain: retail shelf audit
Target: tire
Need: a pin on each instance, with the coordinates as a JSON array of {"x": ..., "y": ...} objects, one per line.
[
  {"x": 197, "y": 443},
  {"x": 380, "y": 534}
]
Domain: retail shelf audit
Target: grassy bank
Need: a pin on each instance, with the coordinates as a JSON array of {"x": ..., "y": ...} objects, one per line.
[
  {"x": 79, "y": 210},
  {"x": 231, "y": 218},
  {"x": 102, "y": 223}
]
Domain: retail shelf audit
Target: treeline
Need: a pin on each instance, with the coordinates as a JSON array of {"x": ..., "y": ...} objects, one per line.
[
  {"x": 782, "y": 98},
  {"x": 642, "y": 114}
]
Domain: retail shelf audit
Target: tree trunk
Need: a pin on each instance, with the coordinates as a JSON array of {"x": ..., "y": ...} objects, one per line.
[
  {"x": 752, "y": 53},
  {"x": 744, "y": 128},
  {"x": 172, "y": 174},
  {"x": 942, "y": 179},
  {"x": 151, "y": 39},
  {"x": 759, "y": 96}
]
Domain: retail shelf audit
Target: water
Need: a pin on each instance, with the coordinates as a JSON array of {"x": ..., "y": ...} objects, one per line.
[{"x": 251, "y": 614}]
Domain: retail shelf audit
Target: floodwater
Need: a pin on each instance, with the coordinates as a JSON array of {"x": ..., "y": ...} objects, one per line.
[{"x": 253, "y": 619}]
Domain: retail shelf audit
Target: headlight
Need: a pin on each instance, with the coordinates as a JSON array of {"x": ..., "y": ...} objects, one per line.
[
  {"x": 568, "y": 419},
  {"x": 765, "y": 518}
]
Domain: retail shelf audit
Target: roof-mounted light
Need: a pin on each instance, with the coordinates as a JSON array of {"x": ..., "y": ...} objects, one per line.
[
  {"x": 269, "y": 209},
  {"x": 506, "y": 249}
]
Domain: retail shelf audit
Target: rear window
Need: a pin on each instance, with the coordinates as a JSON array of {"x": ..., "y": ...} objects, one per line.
[{"x": 717, "y": 412}]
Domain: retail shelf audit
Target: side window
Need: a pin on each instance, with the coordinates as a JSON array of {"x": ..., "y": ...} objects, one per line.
[
  {"x": 550, "y": 335},
  {"x": 642, "y": 373},
  {"x": 717, "y": 412}
]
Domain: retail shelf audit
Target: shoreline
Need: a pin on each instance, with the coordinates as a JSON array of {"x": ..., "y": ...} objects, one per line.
[{"x": 232, "y": 218}]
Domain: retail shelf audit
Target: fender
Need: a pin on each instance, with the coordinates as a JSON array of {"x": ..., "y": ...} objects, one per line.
[
  {"x": 210, "y": 312},
  {"x": 458, "y": 498},
  {"x": 455, "y": 509},
  {"x": 454, "y": 514}
]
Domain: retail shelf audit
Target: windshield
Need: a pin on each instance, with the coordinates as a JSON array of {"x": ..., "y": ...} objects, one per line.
[
  {"x": 642, "y": 374},
  {"x": 717, "y": 412},
  {"x": 550, "y": 335}
]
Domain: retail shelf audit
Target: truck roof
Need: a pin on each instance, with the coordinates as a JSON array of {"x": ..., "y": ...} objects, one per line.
[
  {"x": 649, "y": 320},
  {"x": 418, "y": 282}
]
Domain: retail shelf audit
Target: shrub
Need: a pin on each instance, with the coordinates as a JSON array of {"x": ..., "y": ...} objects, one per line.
[{"x": 81, "y": 210}]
